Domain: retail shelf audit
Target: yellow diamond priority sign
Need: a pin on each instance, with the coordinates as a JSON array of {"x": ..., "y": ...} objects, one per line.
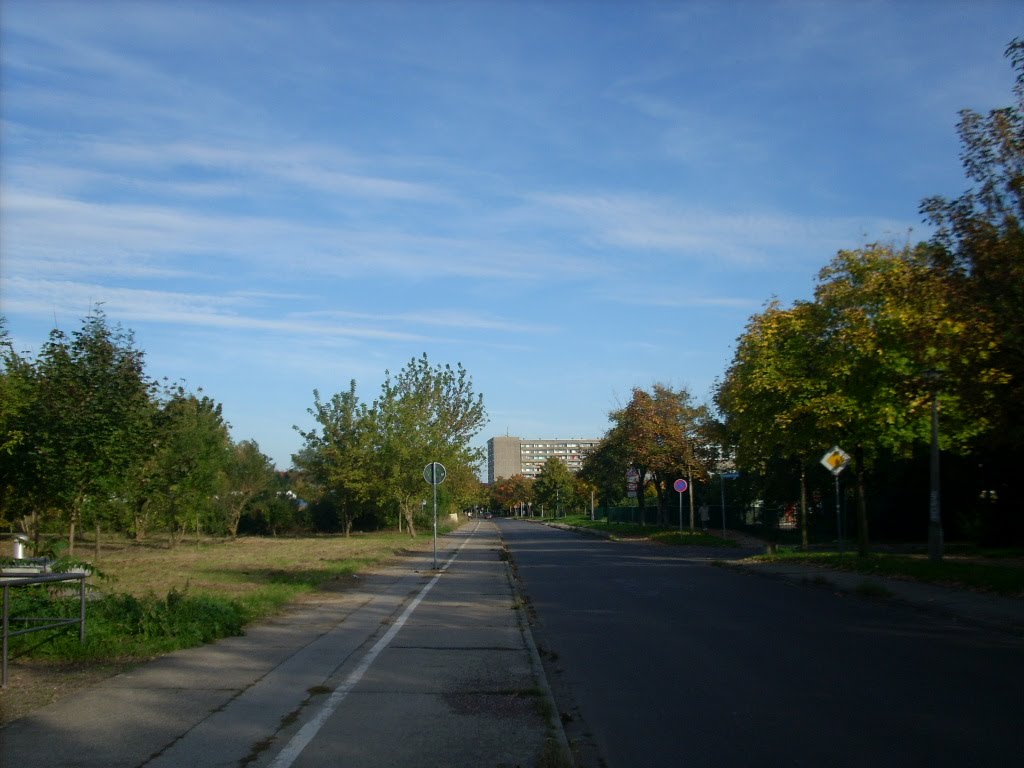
[{"x": 835, "y": 461}]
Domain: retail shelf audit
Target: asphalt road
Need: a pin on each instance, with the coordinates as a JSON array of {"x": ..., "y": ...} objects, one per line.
[{"x": 659, "y": 658}]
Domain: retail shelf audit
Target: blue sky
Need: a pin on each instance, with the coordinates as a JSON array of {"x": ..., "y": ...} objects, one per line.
[{"x": 569, "y": 198}]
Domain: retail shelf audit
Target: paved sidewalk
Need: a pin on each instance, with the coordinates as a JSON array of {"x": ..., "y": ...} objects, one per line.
[{"x": 414, "y": 668}]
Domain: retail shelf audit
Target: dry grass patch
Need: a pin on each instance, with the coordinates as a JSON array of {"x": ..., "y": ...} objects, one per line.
[{"x": 243, "y": 566}]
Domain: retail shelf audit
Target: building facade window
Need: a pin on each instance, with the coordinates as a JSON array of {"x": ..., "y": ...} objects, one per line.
[{"x": 508, "y": 456}]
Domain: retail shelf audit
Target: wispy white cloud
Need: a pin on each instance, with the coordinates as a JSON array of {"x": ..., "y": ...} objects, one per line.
[
  {"x": 214, "y": 311},
  {"x": 242, "y": 168},
  {"x": 757, "y": 240},
  {"x": 53, "y": 233},
  {"x": 680, "y": 296},
  {"x": 441, "y": 317}
]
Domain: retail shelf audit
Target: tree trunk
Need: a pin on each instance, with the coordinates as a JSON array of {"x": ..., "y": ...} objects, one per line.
[
  {"x": 663, "y": 502},
  {"x": 407, "y": 511},
  {"x": 176, "y": 533},
  {"x": 140, "y": 521},
  {"x": 862, "y": 507},
  {"x": 235, "y": 514},
  {"x": 97, "y": 556},
  {"x": 346, "y": 521},
  {"x": 75, "y": 514},
  {"x": 803, "y": 507}
]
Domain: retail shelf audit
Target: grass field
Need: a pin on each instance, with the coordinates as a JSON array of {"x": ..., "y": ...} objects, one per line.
[
  {"x": 147, "y": 598},
  {"x": 247, "y": 566},
  {"x": 1001, "y": 575}
]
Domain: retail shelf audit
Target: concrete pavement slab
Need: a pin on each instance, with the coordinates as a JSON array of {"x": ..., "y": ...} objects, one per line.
[{"x": 428, "y": 730}]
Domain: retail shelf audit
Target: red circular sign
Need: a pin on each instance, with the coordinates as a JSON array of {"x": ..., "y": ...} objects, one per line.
[{"x": 680, "y": 485}]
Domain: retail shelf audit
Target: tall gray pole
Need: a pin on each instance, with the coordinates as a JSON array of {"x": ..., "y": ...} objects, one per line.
[
  {"x": 839, "y": 523},
  {"x": 721, "y": 481},
  {"x": 433, "y": 475},
  {"x": 689, "y": 479},
  {"x": 935, "y": 544}
]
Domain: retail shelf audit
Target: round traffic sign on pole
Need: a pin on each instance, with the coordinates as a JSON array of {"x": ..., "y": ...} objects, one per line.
[
  {"x": 435, "y": 473},
  {"x": 680, "y": 485}
]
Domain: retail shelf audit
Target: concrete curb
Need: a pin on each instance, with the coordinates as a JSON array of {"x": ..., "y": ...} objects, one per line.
[{"x": 555, "y": 721}]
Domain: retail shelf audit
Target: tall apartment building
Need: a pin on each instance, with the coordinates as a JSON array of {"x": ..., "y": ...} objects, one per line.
[{"x": 509, "y": 456}]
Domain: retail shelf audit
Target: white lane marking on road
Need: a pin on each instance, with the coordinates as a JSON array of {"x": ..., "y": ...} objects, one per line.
[{"x": 301, "y": 740}]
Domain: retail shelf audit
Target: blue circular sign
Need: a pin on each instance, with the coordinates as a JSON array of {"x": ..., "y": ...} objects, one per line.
[{"x": 680, "y": 485}]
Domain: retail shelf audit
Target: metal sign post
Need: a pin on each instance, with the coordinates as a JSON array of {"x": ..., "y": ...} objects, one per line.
[
  {"x": 835, "y": 461},
  {"x": 435, "y": 473},
  {"x": 680, "y": 486},
  {"x": 722, "y": 477}
]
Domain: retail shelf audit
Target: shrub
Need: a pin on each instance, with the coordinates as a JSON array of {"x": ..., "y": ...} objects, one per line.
[{"x": 122, "y": 625}]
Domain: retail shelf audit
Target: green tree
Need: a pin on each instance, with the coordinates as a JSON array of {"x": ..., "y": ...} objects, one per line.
[
  {"x": 980, "y": 235},
  {"x": 604, "y": 469},
  {"x": 661, "y": 434},
  {"x": 186, "y": 472},
  {"x": 507, "y": 492},
  {"x": 772, "y": 393},
  {"x": 888, "y": 318},
  {"x": 17, "y": 392},
  {"x": 554, "y": 489},
  {"x": 278, "y": 509},
  {"x": 338, "y": 461},
  {"x": 248, "y": 473},
  {"x": 979, "y": 247},
  {"x": 91, "y": 418},
  {"x": 424, "y": 414},
  {"x": 850, "y": 367}
]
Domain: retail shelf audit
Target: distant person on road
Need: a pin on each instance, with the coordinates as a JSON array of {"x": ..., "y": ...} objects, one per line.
[{"x": 705, "y": 515}]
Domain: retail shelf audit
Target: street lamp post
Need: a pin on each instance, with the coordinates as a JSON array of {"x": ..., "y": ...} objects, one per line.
[
  {"x": 935, "y": 544},
  {"x": 722, "y": 477}
]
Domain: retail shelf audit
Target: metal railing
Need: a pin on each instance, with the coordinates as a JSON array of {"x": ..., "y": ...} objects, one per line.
[{"x": 39, "y": 623}]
